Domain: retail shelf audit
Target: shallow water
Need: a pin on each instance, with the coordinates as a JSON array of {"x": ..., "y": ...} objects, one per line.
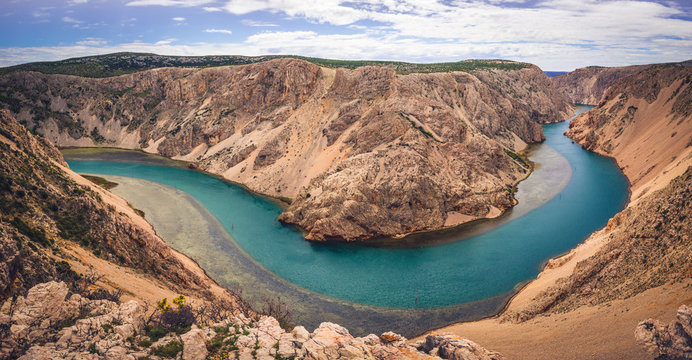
[{"x": 426, "y": 285}]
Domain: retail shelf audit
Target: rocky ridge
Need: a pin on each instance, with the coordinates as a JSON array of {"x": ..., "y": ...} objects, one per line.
[
  {"x": 47, "y": 211},
  {"x": 54, "y": 325},
  {"x": 362, "y": 153}
]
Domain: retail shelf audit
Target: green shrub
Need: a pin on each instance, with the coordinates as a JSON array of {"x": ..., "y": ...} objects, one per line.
[
  {"x": 169, "y": 350},
  {"x": 155, "y": 332},
  {"x": 145, "y": 343},
  {"x": 35, "y": 235}
]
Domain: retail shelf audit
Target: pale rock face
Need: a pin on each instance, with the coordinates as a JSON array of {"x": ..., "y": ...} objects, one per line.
[
  {"x": 672, "y": 341},
  {"x": 91, "y": 337},
  {"x": 194, "y": 347}
]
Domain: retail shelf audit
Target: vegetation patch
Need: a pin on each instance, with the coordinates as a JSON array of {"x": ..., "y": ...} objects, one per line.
[
  {"x": 101, "y": 181},
  {"x": 519, "y": 158},
  {"x": 169, "y": 350},
  {"x": 96, "y": 136},
  {"x": 35, "y": 235}
]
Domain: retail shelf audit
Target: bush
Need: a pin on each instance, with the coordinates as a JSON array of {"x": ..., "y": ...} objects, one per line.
[
  {"x": 279, "y": 310},
  {"x": 35, "y": 235},
  {"x": 145, "y": 343},
  {"x": 103, "y": 294},
  {"x": 169, "y": 350},
  {"x": 178, "y": 319},
  {"x": 155, "y": 332}
]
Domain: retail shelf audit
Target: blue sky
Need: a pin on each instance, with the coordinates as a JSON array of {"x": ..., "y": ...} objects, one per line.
[{"x": 554, "y": 34}]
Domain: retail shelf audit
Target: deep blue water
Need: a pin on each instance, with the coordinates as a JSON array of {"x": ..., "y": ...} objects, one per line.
[
  {"x": 555, "y": 73},
  {"x": 475, "y": 268}
]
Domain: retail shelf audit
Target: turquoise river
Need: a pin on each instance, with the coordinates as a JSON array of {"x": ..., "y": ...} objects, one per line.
[{"x": 458, "y": 275}]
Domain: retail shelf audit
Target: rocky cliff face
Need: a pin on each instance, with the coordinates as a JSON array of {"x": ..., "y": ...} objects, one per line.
[
  {"x": 362, "y": 153},
  {"x": 51, "y": 325},
  {"x": 645, "y": 123},
  {"x": 45, "y": 212},
  {"x": 587, "y": 85}
]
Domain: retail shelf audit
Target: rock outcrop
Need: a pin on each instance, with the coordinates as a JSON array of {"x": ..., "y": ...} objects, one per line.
[
  {"x": 588, "y": 85},
  {"x": 671, "y": 341},
  {"x": 48, "y": 324},
  {"x": 363, "y": 153}
]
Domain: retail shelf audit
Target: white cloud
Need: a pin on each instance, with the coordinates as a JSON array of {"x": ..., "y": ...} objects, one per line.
[
  {"x": 181, "y": 3},
  {"x": 221, "y": 31},
  {"x": 369, "y": 46},
  {"x": 254, "y": 23},
  {"x": 178, "y": 18},
  {"x": 70, "y": 20},
  {"x": 75, "y": 2},
  {"x": 212, "y": 9},
  {"x": 165, "y": 41},
  {"x": 92, "y": 41},
  {"x": 42, "y": 12}
]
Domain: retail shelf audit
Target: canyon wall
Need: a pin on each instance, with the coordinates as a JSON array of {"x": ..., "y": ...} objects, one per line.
[
  {"x": 587, "y": 85},
  {"x": 645, "y": 123},
  {"x": 362, "y": 153}
]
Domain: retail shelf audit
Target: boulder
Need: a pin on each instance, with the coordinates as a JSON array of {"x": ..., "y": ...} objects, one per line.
[
  {"x": 671, "y": 341},
  {"x": 194, "y": 345}
]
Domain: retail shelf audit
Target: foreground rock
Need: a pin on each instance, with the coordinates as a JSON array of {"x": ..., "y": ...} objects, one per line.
[
  {"x": 363, "y": 153},
  {"x": 672, "y": 341},
  {"x": 48, "y": 324}
]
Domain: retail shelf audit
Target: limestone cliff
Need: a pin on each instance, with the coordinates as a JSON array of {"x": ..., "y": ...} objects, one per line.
[
  {"x": 587, "y": 85},
  {"x": 362, "y": 153}
]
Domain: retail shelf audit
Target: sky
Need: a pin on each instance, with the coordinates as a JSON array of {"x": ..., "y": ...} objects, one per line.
[{"x": 557, "y": 35}]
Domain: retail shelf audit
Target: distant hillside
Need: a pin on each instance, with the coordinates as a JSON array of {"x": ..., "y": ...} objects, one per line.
[
  {"x": 126, "y": 63},
  {"x": 587, "y": 85}
]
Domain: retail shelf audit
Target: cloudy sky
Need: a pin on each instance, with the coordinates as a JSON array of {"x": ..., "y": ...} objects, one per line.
[{"x": 554, "y": 34}]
